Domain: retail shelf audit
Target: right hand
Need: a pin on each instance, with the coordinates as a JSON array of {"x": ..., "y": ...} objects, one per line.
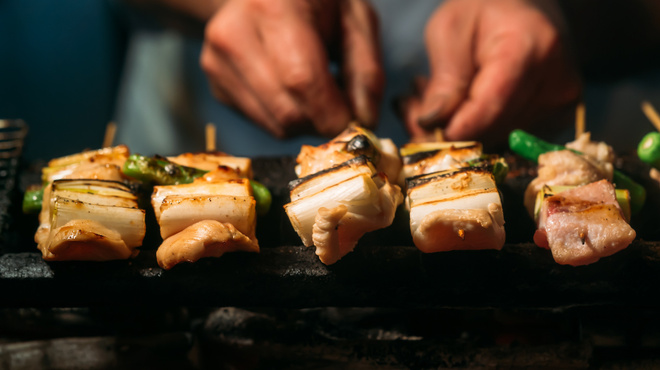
[
  {"x": 495, "y": 65},
  {"x": 270, "y": 60}
]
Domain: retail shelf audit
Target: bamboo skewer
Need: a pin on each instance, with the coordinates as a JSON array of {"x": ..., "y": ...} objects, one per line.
[
  {"x": 651, "y": 114},
  {"x": 210, "y": 138},
  {"x": 109, "y": 137},
  {"x": 580, "y": 124},
  {"x": 439, "y": 136}
]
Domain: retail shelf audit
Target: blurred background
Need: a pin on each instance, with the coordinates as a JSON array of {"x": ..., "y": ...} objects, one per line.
[{"x": 68, "y": 69}]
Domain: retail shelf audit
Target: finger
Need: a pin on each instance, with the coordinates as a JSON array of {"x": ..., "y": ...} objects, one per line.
[
  {"x": 300, "y": 61},
  {"x": 362, "y": 64},
  {"x": 499, "y": 89},
  {"x": 409, "y": 108},
  {"x": 241, "y": 46},
  {"x": 449, "y": 40},
  {"x": 221, "y": 75}
]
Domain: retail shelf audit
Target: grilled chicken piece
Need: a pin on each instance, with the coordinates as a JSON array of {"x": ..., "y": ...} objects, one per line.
[
  {"x": 583, "y": 224},
  {"x": 220, "y": 174},
  {"x": 96, "y": 164},
  {"x": 355, "y": 141},
  {"x": 337, "y": 230},
  {"x": 565, "y": 168},
  {"x": 213, "y": 161},
  {"x": 443, "y": 158},
  {"x": 597, "y": 150},
  {"x": 206, "y": 238},
  {"x": 85, "y": 240}
]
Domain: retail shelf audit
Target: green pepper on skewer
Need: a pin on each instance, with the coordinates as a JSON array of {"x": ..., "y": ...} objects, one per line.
[
  {"x": 530, "y": 147},
  {"x": 261, "y": 196},
  {"x": 497, "y": 165},
  {"x": 648, "y": 149},
  {"x": 159, "y": 171},
  {"x": 32, "y": 200}
]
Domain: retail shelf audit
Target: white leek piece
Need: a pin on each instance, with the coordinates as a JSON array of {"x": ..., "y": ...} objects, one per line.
[
  {"x": 315, "y": 183},
  {"x": 128, "y": 222},
  {"x": 235, "y": 187},
  {"x": 177, "y": 212},
  {"x": 359, "y": 193}
]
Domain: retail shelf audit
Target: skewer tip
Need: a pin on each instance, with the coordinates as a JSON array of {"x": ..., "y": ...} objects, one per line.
[
  {"x": 109, "y": 138},
  {"x": 210, "y": 137},
  {"x": 580, "y": 121},
  {"x": 651, "y": 114}
]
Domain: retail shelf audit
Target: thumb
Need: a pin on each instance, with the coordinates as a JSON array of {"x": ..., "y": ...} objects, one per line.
[
  {"x": 362, "y": 65},
  {"x": 449, "y": 35}
]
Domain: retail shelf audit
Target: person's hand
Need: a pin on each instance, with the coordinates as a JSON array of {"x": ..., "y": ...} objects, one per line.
[
  {"x": 495, "y": 65},
  {"x": 270, "y": 59}
]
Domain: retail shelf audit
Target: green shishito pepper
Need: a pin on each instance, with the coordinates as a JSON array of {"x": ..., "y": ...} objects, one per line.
[
  {"x": 32, "y": 200},
  {"x": 530, "y": 147},
  {"x": 160, "y": 171},
  {"x": 649, "y": 149}
]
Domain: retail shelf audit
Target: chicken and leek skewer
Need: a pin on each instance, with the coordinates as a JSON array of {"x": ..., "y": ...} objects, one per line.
[
  {"x": 452, "y": 196},
  {"x": 87, "y": 212},
  {"x": 457, "y": 209},
  {"x": 344, "y": 191},
  {"x": 204, "y": 204}
]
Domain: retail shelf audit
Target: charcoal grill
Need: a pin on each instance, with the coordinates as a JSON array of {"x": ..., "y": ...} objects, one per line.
[{"x": 385, "y": 272}]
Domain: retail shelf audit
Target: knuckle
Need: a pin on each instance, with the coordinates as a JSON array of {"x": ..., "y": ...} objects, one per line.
[
  {"x": 287, "y": 114},
  {"x": 206, "y": 61},
  {"x": 220, "y": 33},
  {"x": 443, "y": 20},
  {"x": 299, "y": 79},
  {"x": 262, "y": 6}
]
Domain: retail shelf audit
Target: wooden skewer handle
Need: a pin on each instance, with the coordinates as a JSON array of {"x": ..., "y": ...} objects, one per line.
[
  {"x": 109, "y": 137},
  {"x": 210, "y": 137},
  {"x": 651, "y": 114}
]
